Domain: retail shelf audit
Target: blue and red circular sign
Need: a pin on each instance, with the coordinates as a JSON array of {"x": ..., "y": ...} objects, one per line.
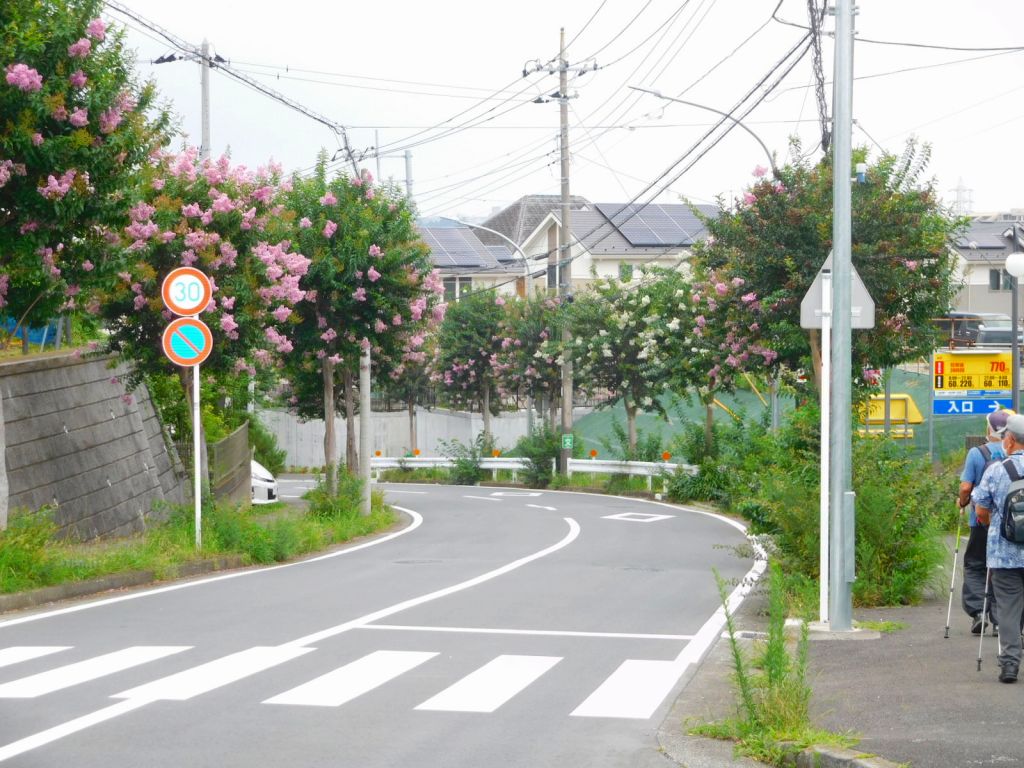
[{"x": 187, "y": 341}]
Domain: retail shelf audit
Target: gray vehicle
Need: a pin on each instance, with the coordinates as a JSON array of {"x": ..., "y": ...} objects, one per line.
[{"x": 969, "y": 329}]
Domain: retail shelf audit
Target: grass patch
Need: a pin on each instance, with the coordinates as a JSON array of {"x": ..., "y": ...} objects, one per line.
[
  {"x": 31, "y": 558},
  {"x": 773, "y": 696},
  {"x": 880, "y": 626}
]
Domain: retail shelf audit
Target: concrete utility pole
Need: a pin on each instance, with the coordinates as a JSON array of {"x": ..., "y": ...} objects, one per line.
[
  {"x": 841, "y": 530},
  {"x": 204, "y": 149},
  {"x": 364, "y": 429},
  {"x": 565, "y": 252}
]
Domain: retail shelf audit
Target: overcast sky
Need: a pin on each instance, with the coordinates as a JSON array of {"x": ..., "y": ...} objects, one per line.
[{"x": 398, "y": 70}]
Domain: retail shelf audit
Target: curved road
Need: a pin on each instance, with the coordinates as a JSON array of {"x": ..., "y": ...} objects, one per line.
[{"x": 499, "y": 628}]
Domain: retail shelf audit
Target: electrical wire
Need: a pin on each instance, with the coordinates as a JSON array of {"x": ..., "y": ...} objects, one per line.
[{"x": 587, "y": 24}]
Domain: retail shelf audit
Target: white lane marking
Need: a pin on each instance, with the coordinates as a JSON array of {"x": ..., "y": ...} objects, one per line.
[
  {"x": 19, "y": 653},
  {"x": 492, "y": 685},
  {"x": 634, "y": 690},
  {"x": 352, "y": 680},
  {"x": 638, "y": 517},
  {"x": 481, "y": 498},
  {"x": 188, "y": 683},
  {"x": 83, "y": 671},
  {"x": 538, "y": 506},
  {"x": 417, "y": 520},
  {"x": 66, "y": 729},
  {"x": 537, "y": 632},
  {"x": 574, "y": 531},
  {"x": 516, "y": 493},
  {"x": 418, "y": 493}
]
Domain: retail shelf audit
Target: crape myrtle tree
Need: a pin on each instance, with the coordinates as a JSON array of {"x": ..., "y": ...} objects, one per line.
[
  {"x": 370, "y": 285},
  {"x": 407, "y": 378},
  {"x": 524, "y": 363},
  {"x": 778, "y": 235},
  {"x": 226, "y": 221},
  {"x": 615, "y": 346},
  {"x": 75, "y": 129},
  {"x": 708, "y": 331},
  {"x": 468, "y": 341}
]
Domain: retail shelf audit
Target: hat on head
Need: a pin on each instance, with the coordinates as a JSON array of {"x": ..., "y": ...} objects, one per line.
[
  {"x": 997, "y": 421},
  {"x": 1015, "y": 426}
]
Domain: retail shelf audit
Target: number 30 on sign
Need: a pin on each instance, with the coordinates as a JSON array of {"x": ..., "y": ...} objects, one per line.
[{"x": 186, "y": 291}]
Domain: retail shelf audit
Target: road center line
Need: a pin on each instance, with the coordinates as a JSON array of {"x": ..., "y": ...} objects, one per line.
[
  {"x": 481, "y": 498},
  {"x": 574, "y": 531},
  {"x": 539, "y": 632},
  {"x": 540, "y": 506}
]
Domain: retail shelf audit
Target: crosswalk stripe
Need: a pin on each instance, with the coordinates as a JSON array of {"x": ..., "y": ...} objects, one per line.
[
  {"x": 634, "y": 690},
  {"x": 491, "y": 685},
  {"x": 352, "y": 680},
  {"x": 83, "y": 671},
  {"x": 183, "y": 685},
  {"x": 19, "y": 653}
]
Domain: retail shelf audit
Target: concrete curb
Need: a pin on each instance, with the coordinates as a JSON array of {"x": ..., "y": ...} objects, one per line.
[
  {"x": 35, "y": 597},
  {"x": 837, "y": 757}
]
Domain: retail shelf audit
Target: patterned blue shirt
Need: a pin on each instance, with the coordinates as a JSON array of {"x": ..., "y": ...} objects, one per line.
[{"x": 990, "y": 493}]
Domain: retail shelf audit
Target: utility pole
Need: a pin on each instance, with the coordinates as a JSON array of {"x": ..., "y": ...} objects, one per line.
[
  {"x": 841, "y": 501},
  {"x": 408, "y": 174},
  {"x": 364, "y": 429},
  {"x": 204, "y": 149},
  {"x": 565, "y": 255}
]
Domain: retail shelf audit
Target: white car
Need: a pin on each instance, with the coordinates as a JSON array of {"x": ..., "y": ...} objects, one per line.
[{"x": 264, "y": 485}]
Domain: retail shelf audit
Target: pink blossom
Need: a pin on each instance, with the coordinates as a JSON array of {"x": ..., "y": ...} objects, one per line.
[
  {"x": 738, "y": 281},
  {"x": 438, "y": 312},
  {"x": 396, "y": 320},
  {"x": 88, "y": 266},
  {"x": 37, "y": 139},
  {"x": 305, "y": 223},
  {"x": 223, "y": 204},
  {"x": 229, "y": 325},
  {"x": 329, "y": 335},
  {"x": 380, "y": 326},
  {"x": 373, "y": 275},
  {"x": 760, "y": 171},
  {"x": 749, "y": 297},
  {"x": 359, "y": 294},
  {"x": 56, "y": 189},
  {"x": 364, "y": 343},
  {"x": 328, "y": 199},
  {"x": 28, "y": 226},
  {"x": 749, "y": 198},
  {"x": 80, "y": 49},
  {"x": 721, "y": 289},
  {"x": 370, "y": 194},
  {"x": 499, "y": 301},
  {"x": 96, "y": 29},
  {"x": 191, "y": 211},
  {"x": 60, "y": 113},
  {"x": 140, "y": 302},
  {"x": 701, "y": 322},
  {"x": 329, "y": 229},
  {"x": 228, "y": 302},
  {"x": 78, "y": 79},
  {"x": 359, "y": 274},
  {"x": 374, "y": 250},
  {"x": 911, "y": 265},
  {"x": 778, "y": 187},
  {"x": 110, "y": 119},
  {"x": 141, "y": 211},
  {"x": 158, "y": 184},
  {"x": 24, "y": 78}
]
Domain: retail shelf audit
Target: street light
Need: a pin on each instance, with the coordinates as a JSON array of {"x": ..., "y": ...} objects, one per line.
[
  {"x": 660, "y": 95},
  {"x": 510, "y": 241},
  {"x": 1015, "y": 266}
]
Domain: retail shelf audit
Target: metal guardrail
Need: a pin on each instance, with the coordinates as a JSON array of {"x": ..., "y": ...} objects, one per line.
[
  {"x": 230, "y": 477},
  {"x": 648, "y": 469}
]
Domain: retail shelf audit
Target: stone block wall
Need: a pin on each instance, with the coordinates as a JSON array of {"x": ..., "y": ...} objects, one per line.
[{"x": 74, "y": 439}]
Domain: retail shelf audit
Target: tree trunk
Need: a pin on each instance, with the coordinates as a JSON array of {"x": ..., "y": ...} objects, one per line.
[
  {"x": 412, "y": 425},
  {"x": 24, "y": 340},
  {"x": 816, "y": 357},
  {"x": 351, "y": 451},
  {"x": 485, "y": 410},
  {"x": 67, "y": 330},
  {"x": 4, "y": 487},
  {"x": 330, "y": 441},
  {"x": 553, "y": 412},
  {"x": 631, "y": 427}
]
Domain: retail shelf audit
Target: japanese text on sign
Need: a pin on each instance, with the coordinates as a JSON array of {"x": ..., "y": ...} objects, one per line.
[{"x": 963, "y": 371}]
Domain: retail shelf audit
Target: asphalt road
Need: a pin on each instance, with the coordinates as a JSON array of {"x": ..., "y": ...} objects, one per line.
[{"x": 499, "y": 628}]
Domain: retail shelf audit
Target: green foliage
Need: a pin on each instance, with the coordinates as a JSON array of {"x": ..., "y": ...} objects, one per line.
[
  {"x": 264, "y": 444},
  {"x": 467, "y": 341},
  {"x": 24, "y": 556},
  {"x": 648, "y": 444},
  {"x": 467, "y": 457},
  {"x": 344, "y": 503},
  {"x": 540, "y": 448}
]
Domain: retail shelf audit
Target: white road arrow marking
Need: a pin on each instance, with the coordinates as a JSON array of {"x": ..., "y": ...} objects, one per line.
[{"x": 539, "y": 506}]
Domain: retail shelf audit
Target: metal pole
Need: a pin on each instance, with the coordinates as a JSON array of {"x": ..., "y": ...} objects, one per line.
[
  {"x": 931, "y": 408},
  {"x": 197, "y": 487},
  {"x": 564, "y": 251},
  {"x": 840, "y": 597},
  {"x": 204, "y": 149},
  {"x": 826, "y": 390},
  {"x": 364, "y": 429},
  {"x": 376, "y": 147},
  {"x": 887, "y": 416},
  {"x": 408, "y": 174}
]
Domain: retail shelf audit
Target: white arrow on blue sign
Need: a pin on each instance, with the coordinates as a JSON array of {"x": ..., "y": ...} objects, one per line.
[{"x": 968, "y": 406}]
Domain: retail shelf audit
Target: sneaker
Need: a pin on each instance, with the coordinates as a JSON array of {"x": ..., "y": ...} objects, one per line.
[
  {"x": 976, "y": 624},
  {"x": 1008, "y": 673}
]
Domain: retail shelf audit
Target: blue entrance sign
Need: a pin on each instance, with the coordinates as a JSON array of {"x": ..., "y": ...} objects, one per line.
[{"x": 951, "y": 406}]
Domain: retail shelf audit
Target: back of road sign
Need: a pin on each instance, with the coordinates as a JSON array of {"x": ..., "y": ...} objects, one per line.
[{"x": 862, "y": 306}]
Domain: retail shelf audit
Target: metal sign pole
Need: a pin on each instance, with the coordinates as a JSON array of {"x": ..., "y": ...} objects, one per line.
[
  {"x": 197, "y": 427},
  {"x": 826, "y": 400}
]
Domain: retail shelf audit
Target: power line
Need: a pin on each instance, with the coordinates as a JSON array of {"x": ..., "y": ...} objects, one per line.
[{"x": 587, "y": 24}]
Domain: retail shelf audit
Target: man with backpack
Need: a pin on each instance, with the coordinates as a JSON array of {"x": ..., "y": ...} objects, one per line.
[
  {"x": 978, "y": 459},
  {"x": 999, "y": 502}
]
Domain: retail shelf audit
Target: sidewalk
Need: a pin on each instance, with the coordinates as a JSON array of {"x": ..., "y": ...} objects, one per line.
[{"x": 911, "y": 696}]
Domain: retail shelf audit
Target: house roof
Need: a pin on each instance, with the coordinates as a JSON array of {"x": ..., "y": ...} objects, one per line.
[
  {"x": 657, "y": 225},
  {"x": 519, "y": 220},
  {"x": 984, "y": 241},
  {"x": 458, "y": 249}
]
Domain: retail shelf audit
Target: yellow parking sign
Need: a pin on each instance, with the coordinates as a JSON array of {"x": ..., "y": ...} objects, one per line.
[{"x": 970, "y": 370}]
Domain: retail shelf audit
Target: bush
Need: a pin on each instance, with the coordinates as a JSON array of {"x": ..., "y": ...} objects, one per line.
[
  {"x": 467, "y": 457},
  {"x": 648, "y": 444},
  {"x": 540, "y": 448},
  {"x": 25, "y": 557},
  {"x": 264, "y": 446},
  {"x": 324, "y": 506}
]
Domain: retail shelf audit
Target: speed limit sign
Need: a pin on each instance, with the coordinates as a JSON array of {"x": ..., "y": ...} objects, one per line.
[{"x": 186, "y": 291}]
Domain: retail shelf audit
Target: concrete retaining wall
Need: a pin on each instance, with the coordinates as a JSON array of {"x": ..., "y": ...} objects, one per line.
[{"x": 75, "y": 440}]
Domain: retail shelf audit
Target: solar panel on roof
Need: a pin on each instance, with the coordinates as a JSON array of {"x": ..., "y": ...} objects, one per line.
[
  {"x": 455, "y": 247},
  {"x": 654, "y": 224}
]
